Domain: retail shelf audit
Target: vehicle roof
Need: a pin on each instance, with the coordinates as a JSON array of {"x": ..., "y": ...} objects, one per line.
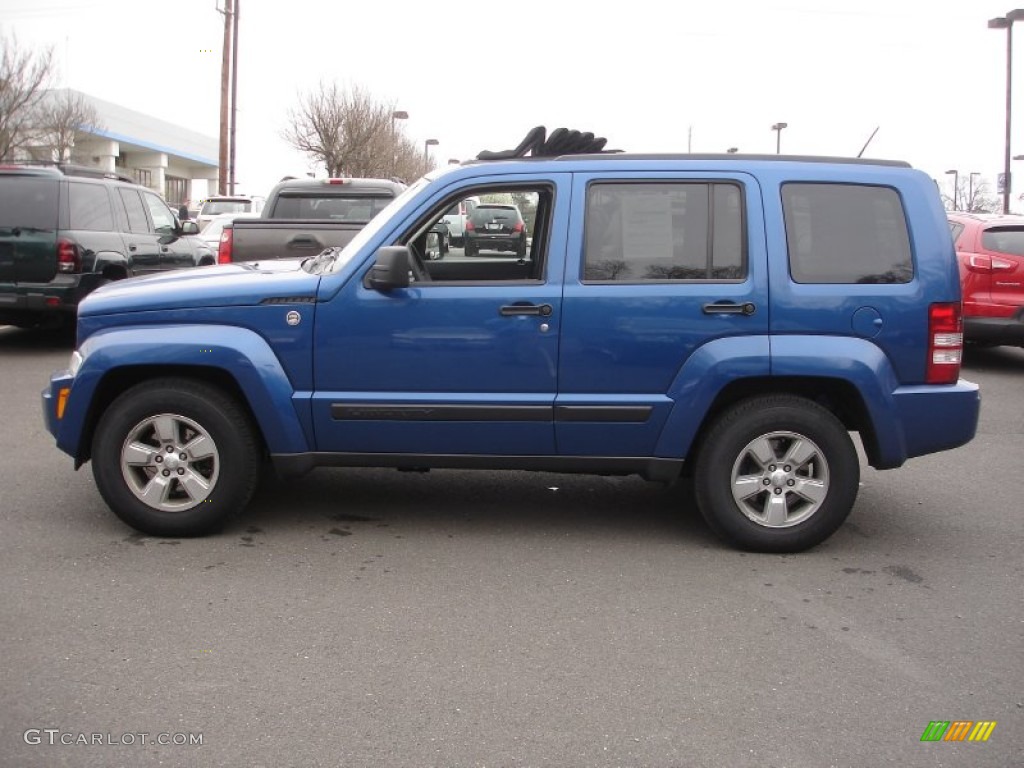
[
  {"x": 736, "y": 158},
  {"x": 340, "y": 185},
  {"x": 228, "y": 199},
  {"x": 964, "y": 217}
]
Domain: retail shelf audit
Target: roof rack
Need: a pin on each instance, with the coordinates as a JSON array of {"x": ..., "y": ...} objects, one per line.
[
  {"x": 71, "y": 169},
  {"x": 562, "y": 141}
]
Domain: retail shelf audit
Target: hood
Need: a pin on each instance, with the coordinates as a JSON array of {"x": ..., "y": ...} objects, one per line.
[{"x": 227, "y": 285}]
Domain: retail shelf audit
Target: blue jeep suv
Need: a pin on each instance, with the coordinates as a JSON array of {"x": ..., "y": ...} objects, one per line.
[{"x": 735, "y": 319}]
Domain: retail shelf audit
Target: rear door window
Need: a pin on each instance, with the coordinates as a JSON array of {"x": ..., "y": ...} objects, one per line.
[
  {"x": 846, "y": 233},
  {"x": 89, "y": 207},
  {"x": 637, "y": 232}
]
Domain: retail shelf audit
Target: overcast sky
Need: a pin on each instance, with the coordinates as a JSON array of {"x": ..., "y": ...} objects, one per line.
[{"x": 477, "y": 75}]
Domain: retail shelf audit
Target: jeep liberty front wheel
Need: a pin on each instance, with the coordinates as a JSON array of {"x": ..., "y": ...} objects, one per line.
[
  {"x": 175, "y": 457},
  {"x": 776, "y": 474}
]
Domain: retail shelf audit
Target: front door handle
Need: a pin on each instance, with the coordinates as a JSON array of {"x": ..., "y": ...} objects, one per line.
[
  {"x": 730, "y": 308},
  {"x": 511, "y": 310}
]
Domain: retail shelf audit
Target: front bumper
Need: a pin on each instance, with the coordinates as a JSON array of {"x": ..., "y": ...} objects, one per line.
[{"x": 51, "y": 401}]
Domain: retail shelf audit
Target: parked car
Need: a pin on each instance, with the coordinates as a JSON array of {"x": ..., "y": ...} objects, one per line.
[
  {"x": 495, "y": 227},
  {"x": 990, "y": 249},
  {"x": 456, "y": 216},
  {"x": 65, "y": 231},
  {"x": 211, "y": 233},
  {"x": 736, "y": 320},
  {"x": 302, "y": 217},
  {"x": 214, "y": 206}
]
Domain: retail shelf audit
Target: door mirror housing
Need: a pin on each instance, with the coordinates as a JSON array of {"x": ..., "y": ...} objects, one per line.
[
  {"x": 189, "y": 228},
  {"x": 391, "y": 269}
]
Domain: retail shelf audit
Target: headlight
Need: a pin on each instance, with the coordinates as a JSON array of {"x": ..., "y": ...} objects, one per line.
[{"x": 76, "y": 362}]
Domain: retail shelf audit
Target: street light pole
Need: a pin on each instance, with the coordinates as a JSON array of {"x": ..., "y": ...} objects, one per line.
[
  {"x": 970, "y": 198},
  {"x": 398, "y": 114},
  {"x": 778, "y": 136},
  {"x": 426, "y": 149},
  {"x": 956, "y": 183},
  {"x": 1006, "y": 22}
]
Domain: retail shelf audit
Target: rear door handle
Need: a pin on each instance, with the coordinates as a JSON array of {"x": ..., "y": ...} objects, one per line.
[
  {"x": 511, "y": 310},
  {"x": 730, "y": 308}
]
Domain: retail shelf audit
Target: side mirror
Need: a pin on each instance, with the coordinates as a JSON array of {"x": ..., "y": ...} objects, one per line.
[
  {"x": 391, "y": 270},
  {"x": 189, "y": 228}
]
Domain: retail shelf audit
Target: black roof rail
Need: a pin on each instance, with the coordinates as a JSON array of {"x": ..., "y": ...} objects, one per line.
[{"x": 72, "y": 169}]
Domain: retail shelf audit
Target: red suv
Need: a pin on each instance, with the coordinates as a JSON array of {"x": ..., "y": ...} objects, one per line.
[{"x": 990, "y": 249}]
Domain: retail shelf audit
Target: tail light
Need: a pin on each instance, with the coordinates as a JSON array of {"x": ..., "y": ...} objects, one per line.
[
  {"x": 469, "y": 226},
  {"x": 988, "y": 264},
  {"x": 945, "y": 343},
  {"x": 69, "y": 258},
  {"x": 225, "y": 247},
  {"x": 518, "y": 227}
]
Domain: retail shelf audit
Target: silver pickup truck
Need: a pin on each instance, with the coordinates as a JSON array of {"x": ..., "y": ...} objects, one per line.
[{"x": 302, "y": 217}]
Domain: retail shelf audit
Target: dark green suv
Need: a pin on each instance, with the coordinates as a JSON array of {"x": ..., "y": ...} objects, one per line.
[{"x": 65, "y": 231}]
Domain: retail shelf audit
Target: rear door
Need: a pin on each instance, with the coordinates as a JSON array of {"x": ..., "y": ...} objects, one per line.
[
  {"x": 658, "y": 265},
  {"x": 1003, "y": 247},
  {"x": 28, "y": 228}
]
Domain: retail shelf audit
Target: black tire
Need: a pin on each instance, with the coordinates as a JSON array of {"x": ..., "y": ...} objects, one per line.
[
  {"x": 470, "y": 250},
  {"x": 794, "y": 467},
  {"x": 197, "y": 496}
]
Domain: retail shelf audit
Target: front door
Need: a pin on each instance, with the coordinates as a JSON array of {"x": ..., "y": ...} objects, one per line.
[{"x": 462, "y": 362}]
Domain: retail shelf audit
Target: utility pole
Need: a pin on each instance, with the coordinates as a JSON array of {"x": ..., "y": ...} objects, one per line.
[
  {"x": 225, "y": 81},
  {"x": 234, "y": 96}
]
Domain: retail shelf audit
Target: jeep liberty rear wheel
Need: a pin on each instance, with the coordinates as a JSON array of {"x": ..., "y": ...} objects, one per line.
[
  {"x": 776, "y": 474},
  {"x": 174, "y": 457}
]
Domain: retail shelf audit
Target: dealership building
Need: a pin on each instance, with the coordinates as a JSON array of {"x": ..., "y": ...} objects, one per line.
[{"x": 162, "y": 156}]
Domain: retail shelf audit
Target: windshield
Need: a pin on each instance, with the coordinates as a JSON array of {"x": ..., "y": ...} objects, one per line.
[
  {"x": 378, "y": 223},
  {"x": 226, "y": 206}
]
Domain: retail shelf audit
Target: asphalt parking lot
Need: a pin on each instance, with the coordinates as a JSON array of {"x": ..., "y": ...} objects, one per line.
[{"x": 377, "y": 618}]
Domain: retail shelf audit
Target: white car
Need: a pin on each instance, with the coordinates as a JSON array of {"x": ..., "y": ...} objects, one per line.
[
  {"x": 213, "y": 206},
  {"x": 210, "y": 234}
]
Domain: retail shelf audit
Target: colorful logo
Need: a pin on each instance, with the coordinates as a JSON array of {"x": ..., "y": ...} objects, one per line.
[{"x": 958, "y": 730}]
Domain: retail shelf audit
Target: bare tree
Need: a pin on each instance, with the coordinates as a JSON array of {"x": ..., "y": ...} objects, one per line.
[
  {"x": 23, "y": 77},
  {"x": 59, "y": 117},
  {"x": 352, "y": 134},
  {"x": 974, "y": 198}
]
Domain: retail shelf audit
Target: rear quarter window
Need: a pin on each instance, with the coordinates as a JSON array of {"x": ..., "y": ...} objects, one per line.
[{"x": 846, "y": 233}]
